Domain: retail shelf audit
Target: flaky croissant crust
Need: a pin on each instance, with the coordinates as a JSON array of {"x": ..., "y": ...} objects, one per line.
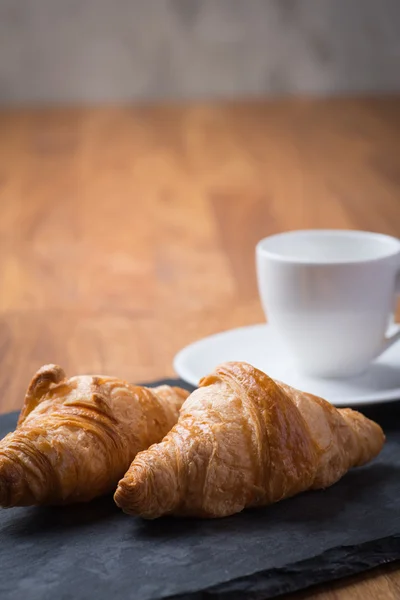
[
  {"x": 243, "y": 439},
  {"x": 76, "y": 437}
]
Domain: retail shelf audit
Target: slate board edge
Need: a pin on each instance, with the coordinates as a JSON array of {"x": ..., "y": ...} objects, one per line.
[{"x": 343, "y": 560}]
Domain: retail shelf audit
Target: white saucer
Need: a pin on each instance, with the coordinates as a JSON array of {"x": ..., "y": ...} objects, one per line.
[{"x": 257, "y": 345}]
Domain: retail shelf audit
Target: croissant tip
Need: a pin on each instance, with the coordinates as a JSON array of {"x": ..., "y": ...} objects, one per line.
[
  {"x": 53, "y": 370},
  {"x": 45, "y": 376},
  {"x": 132, "y": 493},
  {"x": 123, "y": 498},
  {"x": 147, "y": 491}
]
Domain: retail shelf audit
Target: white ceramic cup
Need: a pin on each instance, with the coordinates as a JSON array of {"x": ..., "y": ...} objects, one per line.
[{"x": 330, "y": 296}]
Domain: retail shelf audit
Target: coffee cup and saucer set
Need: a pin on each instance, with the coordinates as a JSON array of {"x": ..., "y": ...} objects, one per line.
[{"x": 329, "y": 297}]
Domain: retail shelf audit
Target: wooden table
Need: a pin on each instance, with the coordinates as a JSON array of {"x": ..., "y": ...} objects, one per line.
[{"x": 126, "y": 233}]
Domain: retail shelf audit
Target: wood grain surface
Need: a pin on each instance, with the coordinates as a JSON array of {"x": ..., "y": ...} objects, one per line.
[{"x": 126, "y": 233}]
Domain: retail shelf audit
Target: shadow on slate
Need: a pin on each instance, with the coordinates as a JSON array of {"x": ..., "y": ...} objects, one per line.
[{"x": 96, "y": 551}]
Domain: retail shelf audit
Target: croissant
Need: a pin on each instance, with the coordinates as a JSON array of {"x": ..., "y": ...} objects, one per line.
[
  {"x": 76, "y": 437},
  {"x": 243, "y": 439}
]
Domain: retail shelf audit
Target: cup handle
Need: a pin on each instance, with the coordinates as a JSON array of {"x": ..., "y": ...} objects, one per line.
[{"x": 395, "y": 336}]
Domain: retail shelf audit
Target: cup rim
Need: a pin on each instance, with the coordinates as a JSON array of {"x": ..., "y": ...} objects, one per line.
[{"x": 392, "y": 242}]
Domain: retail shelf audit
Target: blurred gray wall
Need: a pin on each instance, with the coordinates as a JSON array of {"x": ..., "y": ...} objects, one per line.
[{"x": 54, "y": 51}]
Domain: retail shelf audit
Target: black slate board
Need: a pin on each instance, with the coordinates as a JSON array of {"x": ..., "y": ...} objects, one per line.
[{"x": 95, "y": 551}]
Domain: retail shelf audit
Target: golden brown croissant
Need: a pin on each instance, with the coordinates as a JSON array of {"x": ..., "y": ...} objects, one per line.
[
  {"x": 244, "y": 440},
  {"x": 76, "y": 437}
]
